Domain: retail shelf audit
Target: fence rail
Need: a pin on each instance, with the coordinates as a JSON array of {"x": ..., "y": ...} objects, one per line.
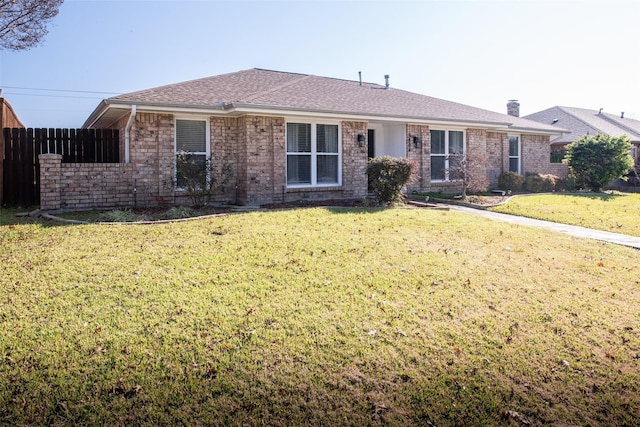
[{"x": 21, "y": 170}]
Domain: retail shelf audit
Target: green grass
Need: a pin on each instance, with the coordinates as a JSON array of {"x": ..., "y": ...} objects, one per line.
[
  {"x": 616, "y": 212},
  {"x": 316, "y": 317}
]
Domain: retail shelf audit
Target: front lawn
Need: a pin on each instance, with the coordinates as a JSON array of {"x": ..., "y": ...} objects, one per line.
[
  {"x": 616, "y": 212},
  {"x": 316, "y": 317}
]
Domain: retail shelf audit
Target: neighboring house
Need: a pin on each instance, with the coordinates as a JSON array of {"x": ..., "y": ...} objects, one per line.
[
  {"x": 8, "y": 119},
  {"x": 580, "y": 122},
  {"x": 289, "y": 136}
]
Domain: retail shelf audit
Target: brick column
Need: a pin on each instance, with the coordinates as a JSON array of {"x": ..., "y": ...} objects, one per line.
[
  {"x": 420, "y": 153},
  {"x": 50, "y": 165}
]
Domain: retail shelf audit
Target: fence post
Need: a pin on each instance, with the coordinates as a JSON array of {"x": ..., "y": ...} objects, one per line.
[{"x": 50, "y": 169}]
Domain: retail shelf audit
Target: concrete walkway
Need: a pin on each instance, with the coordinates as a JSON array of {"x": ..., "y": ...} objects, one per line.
[{"x": 573, "y": 230}]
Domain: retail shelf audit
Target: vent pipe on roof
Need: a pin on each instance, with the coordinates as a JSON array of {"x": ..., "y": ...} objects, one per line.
[
  {"x": 600, "y": 112},
  {"x": 386, "y": 81},
  {"x": 622, "y": 115},
  {"x": 360, "y": 77}
]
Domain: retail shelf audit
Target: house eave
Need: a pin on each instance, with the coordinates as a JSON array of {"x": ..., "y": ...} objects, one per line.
[
  {"x": 239, "y": 109},
  {"x": 118, "y": 108},
  {"x": 549, "y": 132}
]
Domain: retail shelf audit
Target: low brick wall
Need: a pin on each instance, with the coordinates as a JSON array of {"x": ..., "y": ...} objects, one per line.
[{"x": 92, "y": 185}]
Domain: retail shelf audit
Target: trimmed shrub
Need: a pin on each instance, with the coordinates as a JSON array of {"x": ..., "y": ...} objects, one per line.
[
  {"x": 388, "y": 175},
  {"x": 510, "y": 181},
  {"x": 539, "y": 183},
  {"x": 599, "y": 159}
]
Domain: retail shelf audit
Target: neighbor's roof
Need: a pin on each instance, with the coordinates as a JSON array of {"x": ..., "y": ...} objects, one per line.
[
  {"x": 258, "y": 90},
  {"x": 580, "y": 121}
]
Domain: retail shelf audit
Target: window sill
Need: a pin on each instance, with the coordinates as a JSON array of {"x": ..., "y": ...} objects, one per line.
[{"x": 313, "y": 188}]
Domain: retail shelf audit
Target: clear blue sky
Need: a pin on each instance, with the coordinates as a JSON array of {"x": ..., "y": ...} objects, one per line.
[{"x": 481, "y": 53}]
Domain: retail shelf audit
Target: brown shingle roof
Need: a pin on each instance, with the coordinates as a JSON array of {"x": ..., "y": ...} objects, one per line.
[{"x": 265, "y": 89}]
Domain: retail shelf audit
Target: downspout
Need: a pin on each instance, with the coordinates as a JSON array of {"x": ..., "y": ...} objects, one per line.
[{"x": 127, "y": 133}]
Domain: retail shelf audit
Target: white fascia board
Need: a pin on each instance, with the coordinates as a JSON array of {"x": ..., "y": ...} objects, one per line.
[
  {"x": 513, "y": 130},
  {"x": 169, "y": 108},
  {"x": 239, "y": 110}
]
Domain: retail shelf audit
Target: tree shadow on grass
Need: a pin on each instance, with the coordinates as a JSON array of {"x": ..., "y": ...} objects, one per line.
[{"x": 604, "y": 196}]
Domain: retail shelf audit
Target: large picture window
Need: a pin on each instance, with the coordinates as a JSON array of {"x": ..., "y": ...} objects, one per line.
[
  {"x": 313, "y": 154},
  {"x": 192, "y": 147},
  {"x": 446, "y": 145}
]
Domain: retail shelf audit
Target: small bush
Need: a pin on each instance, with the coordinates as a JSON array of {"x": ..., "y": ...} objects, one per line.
[
  {"x": 123, "y": 215},
  {"x": 569, "y": 183},
  {"x": 198, "y": 178},
  {"x": 510, "y": 181},
  {"x": 539, "y": 183},
  {"x": 388, "y": 175},
  {"x": 178, "y": 212}
]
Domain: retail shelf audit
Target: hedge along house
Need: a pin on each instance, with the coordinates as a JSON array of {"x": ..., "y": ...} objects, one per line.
[{"x": 290, "y": 136}]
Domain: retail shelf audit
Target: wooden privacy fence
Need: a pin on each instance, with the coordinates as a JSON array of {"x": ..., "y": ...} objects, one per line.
[{"x": 21, "y": 169}]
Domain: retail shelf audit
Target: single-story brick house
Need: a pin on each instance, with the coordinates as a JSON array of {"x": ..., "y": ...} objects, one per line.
[
  {"x": 579, "y": 122},
  {"x": 289, "y": 136}
]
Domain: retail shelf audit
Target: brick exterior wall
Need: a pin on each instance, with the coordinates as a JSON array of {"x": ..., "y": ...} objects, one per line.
[
  {"x": 86, "y": 185},
  {"x": 498, "y": 162},
  {"x": 50, "y": 181},
  {"x": 152, "y": 152},
  {"x": 536, "y": 157},
  {"x": 354, "y": 161},
  {"x": 225, "y": 151},
  {"x": 420, "y": 155},
  {"x": 254, "y": 147},
  {"x": 264, "y": 144},
  {"x": 493, "y": 148}
]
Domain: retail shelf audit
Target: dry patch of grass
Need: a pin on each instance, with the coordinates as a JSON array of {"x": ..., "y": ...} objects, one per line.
[
  {"x": 614, "y": 211},
  {"x": 317, "y": 316}
]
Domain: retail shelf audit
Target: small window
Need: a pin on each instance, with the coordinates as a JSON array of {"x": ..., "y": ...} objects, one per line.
[
  {"x": 557, "y": 155},
  {"x": 514, "y": 154},
  {"x": 191, "y": 149}
]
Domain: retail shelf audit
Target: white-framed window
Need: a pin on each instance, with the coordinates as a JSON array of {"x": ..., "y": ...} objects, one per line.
[
  {"x": 313, "y": 154},
  {"x": 193, "y": 144},
  {"x": 514, "y": 153},
  {"x": 445, "y": 146}
]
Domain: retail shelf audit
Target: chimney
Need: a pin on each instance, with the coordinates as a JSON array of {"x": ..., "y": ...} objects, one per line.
[
  {"x": 513, "y": 108},
  {"x": 386, "y": 81}
]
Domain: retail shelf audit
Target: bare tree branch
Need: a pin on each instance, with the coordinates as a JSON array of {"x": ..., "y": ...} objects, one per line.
[
  {"x": 23, "y": 23},
  {"x": 470, "y": 171}
]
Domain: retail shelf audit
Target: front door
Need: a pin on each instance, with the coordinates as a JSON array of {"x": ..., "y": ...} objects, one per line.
[{"x": 371, "y": 139}]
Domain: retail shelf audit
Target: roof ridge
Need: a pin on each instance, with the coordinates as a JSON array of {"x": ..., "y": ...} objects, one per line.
[
  {"x": 615, "y": 122},
  {"x": 199, "y": 79},
  {"x": 278, "y": 87},
  {"x": 564, "y": 109},
  {"x": 327, "y": 78}
]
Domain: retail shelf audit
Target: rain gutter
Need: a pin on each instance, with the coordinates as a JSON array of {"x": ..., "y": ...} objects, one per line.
[{"x": 127, "y": 133}]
